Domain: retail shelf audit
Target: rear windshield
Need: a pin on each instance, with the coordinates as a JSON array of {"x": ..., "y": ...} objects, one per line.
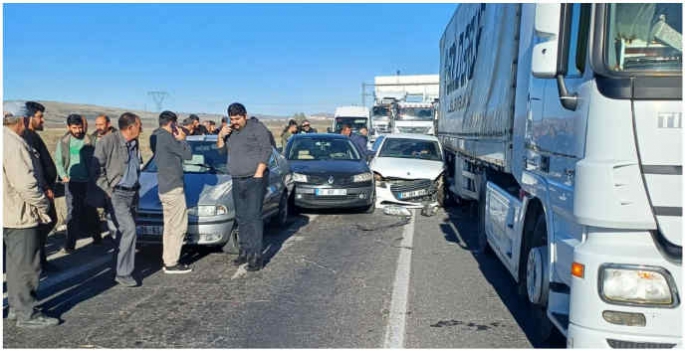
[
  {"x": 411, "y": 148},
  {"x": 207, "y": 158}
]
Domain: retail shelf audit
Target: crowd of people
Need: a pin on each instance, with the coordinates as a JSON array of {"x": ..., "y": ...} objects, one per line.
[{"x": 100, "y": 173}]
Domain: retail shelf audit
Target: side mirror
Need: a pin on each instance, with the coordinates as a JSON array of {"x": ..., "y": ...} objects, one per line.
[{"x": 546, "y": 53}]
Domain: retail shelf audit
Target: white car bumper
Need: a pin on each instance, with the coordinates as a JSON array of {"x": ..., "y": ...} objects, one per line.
[{"x": 384, "y": 197}]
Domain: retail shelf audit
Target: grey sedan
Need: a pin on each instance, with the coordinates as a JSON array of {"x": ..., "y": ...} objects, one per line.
[{"x": 209, "y": 197}]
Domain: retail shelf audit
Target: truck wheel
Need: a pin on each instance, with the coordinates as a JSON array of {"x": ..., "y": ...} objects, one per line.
[
  {"x": 231, "y": 246},
  {"x": 444, "y": 197},
  {"x": 533, "y": 281}
]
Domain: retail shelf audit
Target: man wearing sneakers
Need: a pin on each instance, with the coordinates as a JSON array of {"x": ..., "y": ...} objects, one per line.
[{"x": 171, "y": 149}]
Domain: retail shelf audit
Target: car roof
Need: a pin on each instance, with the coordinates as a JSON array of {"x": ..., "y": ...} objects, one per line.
[
  {"x": 208, "y": 137},
  {"x": 410, "y": 136}
]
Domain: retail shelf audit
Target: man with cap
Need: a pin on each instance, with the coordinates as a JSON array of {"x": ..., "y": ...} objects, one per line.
[{"x": 25, "y": 210}]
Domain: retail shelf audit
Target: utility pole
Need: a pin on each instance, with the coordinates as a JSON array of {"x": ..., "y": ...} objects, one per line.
[{"x": 158, "y": 97}]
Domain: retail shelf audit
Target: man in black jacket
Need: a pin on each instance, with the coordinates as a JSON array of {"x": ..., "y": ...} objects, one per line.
[
  {"x": 249, "y": 149},
  {"x": 171, "y": 150},
  {"x": 35, "y": 117}
]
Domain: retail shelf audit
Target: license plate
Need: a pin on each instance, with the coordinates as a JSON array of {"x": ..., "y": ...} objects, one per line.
[
  {"x": 415, "y": 193},
  {"x": 331, "y": 192},
  {"x": 150, "y": 229}
]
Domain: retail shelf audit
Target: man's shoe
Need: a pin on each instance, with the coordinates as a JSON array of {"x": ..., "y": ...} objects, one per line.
[
  {"x": 254, "y": 263},
  {"x": 39, "y": 320},
  {"x": 127, "y": 281},
  {"x": 179, "y": 268},
  {"x": 242, "y": 258}
]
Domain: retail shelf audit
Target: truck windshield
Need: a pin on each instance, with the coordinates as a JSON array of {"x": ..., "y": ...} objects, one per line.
[
  {"x": 415, "y": 114},
  {"x": 355, "y": 123},
  {"x": 645, "y": 37},
  {"x": 380, "y": 112}
]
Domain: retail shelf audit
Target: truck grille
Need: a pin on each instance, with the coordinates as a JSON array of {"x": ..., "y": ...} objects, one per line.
[{"x": 413, "y": 130}]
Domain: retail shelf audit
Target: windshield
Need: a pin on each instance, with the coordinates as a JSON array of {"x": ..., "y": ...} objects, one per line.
[
  {"x": 355, "y": 123},
  {"x": 411, "y": 148},
  {"x": 415, "y": 114},
  {"x": 645, "y": 37},
  {"x": 207, "y": 158},
  {"x": 380, "y": 112},
  {"x": 318, "y": 149}
]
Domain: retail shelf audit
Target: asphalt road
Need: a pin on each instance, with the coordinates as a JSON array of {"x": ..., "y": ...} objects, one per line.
[{"x": 332, "y": 280}]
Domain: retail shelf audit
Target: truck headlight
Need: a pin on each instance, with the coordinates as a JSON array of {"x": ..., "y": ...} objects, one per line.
[
  {"x": 207, "y": 211},
  {"x": 299, "y": 177},
  {"x": 363, "y": 177},
  {"x": 641, "y": 285}
]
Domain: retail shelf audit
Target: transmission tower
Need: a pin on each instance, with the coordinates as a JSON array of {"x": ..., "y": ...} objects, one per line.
[{"x": 158, "y": 97}]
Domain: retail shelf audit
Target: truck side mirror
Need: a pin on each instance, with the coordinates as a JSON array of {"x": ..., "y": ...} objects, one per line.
[
  {"x": 550, "y": 57},
  {"x": 546, "y": 53}
]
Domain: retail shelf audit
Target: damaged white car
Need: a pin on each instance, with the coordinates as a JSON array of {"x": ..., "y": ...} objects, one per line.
[{"x": 409, "y": 170}]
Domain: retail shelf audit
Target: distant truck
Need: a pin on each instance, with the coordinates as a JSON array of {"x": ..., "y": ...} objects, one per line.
[
  {"x": 414, "y": 117},
  {"x": 356, "y": 116},
  {"x": 564, "y": 123}
]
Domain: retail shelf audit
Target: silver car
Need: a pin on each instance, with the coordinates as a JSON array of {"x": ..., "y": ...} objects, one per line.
[{"x": 209, "y": 196}]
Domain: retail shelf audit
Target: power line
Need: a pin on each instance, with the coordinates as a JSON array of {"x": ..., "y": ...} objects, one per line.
[{"x": 158, "y": 97}]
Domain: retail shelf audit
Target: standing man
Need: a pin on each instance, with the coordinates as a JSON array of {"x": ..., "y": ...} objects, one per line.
[
  {"x": 289, "y": 131},
  {"x": 73, "y": 156},
  {"x": 224, "y": 122},
  {"x": 35, "y": 112},
  {"x": 356, "y": 139},
  {"x": 103, "y": 126},
  {"x": 307, "y": 128},
  {"x": 25, "y": 209},
  {"x": 171, "y": 151},
  {"x": 116, "y": 168},
  {"x": 249, "y": 150},
  {"x": 189, "y": 126},
  {"x": 198, "y": 129}
]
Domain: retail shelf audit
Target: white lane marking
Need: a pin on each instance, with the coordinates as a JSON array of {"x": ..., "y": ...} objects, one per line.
[{"x": 394, "y": 335}]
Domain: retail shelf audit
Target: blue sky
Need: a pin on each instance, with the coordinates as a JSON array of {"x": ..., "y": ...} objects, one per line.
[{"x": 275, "y": 58}]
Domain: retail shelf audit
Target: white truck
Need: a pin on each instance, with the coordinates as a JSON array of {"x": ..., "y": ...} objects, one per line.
[
  {"x": 414, "y": 117},
  {"x": 354, "y": 116},
  {"x": 564, "y": 123}
]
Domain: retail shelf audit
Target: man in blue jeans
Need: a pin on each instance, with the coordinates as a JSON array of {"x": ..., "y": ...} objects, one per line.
[
  {"x": 249, "y": 149},
  {"x": 116, "y": 168}
]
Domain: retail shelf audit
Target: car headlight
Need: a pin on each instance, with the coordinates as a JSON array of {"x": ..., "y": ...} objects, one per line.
[
  {"x": 300, "y": 178},
  {"x": 207, "y": 211},
  {"x": 635, "y": 285},
  {"x": 363, "y": 177}
]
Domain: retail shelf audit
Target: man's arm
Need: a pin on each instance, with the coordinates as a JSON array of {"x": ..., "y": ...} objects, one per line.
[
  {"x": 61, "y": 172},
  {"x": 23, "y": 179},
  {"x": 264, "y": 149},
  {"x": 98, "y": 169}
]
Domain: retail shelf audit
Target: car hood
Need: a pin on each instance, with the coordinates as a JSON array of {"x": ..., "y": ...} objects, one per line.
[
  {"x": 321, "y": 167},
  {"x": 406, "y": 168},
  {"x": 199, "y": 189}
]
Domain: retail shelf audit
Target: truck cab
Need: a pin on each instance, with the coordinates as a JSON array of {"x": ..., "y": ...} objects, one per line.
[{"x": 356, "y": 117}]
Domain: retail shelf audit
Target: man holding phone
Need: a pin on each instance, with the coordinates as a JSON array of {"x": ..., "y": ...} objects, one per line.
[
  {"x": 249, "y": 150},
  {"x": 172, "y": 150}
]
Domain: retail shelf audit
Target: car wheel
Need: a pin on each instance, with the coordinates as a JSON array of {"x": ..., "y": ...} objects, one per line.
[
  {"x": 444, "y": 197},
  {"x": 283, "y": 206},
  {"x": 231, "y": 246},
  {"x": 293, "y": 209}
]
